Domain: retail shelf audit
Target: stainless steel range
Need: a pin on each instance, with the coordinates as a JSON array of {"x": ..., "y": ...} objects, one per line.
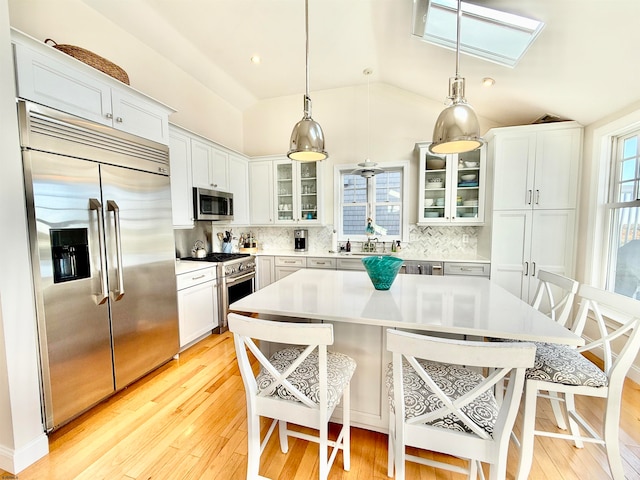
[{"x": 236, "y": 274}]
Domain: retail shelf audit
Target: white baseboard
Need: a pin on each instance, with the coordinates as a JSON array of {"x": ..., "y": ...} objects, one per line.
[{"x": 14, "y": 461}]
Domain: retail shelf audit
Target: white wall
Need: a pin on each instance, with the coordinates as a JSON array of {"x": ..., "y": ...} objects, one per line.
[
  {"x": 74, "y": 22},
  {"x": 398, "y": 119},
  {"x": 22, "y": 439}
]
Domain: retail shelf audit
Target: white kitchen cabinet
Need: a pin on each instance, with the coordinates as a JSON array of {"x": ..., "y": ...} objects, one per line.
[
  {"x": 535, "y": 166},
  {"x": 287, "y": 265},
  {"x": 322, "y": 262},
  {"x": 526, "y": 241},
  {"x": 181, "y": 187},
  {"x": 453, "y": 193},
  {"x": 209, "y": 165},
  {"x": 261, "y": 192},
  {"x": 52, "y": 78},
  {"x": 238, "y": 168},
  {"x": 535, "y": 194},
  {"x": 265, "y": 271},
  {"x": 298, "y": 191},
  {"x": 349, "y": 264},
  {"x": 197, "y": 304}
]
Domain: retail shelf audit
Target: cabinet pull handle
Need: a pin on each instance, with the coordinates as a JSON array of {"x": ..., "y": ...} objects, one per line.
[
  {"x": 529, "y": 196},
  {"x": 198, "y": 277},
  {"x": 533, "y": 269},
  {"x": 537, "y": 197},
  {"x": 526, "y": 268}
]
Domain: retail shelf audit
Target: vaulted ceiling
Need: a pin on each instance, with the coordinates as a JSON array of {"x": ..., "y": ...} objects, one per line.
[{"x": 582, "y": 67}]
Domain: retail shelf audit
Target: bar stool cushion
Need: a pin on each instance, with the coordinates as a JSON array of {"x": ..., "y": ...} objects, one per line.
[
  {"x": 453, "y": 380},
  {"x": 306, "y": 377},
  {"x": 562, "y": 364}
]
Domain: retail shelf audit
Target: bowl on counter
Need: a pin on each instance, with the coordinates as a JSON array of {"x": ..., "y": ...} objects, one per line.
[{"x": 382, "y": 270}]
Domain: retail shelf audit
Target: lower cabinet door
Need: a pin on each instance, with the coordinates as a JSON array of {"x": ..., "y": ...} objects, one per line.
[{"x": 198, "y": 311}]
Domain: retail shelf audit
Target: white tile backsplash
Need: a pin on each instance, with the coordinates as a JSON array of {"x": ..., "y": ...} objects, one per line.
[{"x": 423, "y": 240}]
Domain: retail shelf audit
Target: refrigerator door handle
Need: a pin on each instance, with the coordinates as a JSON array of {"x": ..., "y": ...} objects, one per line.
[
  {"x": 100, "y": 298},
  {"x": 112, "y": 206}
]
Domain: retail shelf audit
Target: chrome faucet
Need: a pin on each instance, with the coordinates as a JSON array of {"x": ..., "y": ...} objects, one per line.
[{"x": 369, "y": 246}]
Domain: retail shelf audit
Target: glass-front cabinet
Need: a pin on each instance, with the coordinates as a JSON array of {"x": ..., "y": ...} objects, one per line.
[
  {"x": 451, "y": 187},
  {"x": 297, "y": 191}
]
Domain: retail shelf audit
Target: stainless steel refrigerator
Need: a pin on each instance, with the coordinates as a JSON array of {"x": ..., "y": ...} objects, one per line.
[{"x": 103, "y": 256}]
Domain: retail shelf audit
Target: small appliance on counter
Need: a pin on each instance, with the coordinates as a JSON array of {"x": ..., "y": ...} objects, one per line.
[{"x": 300, "y": 240}]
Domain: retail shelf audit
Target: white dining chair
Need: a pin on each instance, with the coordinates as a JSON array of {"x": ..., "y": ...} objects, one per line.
[
  {"x": 554, "y": 297},
  {"x": 301, "y": 383},
  {"x": 440, "y": 402},
  {"x": 566, "y": 371}
]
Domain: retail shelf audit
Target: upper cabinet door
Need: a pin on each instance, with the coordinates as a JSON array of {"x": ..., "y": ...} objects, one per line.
[
  {"x": 181, "y": 191},
  {"x": 536, "y": 166},
  {"x": 201, "y": 164},
  {"x": 557, "y": 166},
  {"x": 514, "y": 161},
  {"x": 140, "y": 117},
  {"x": 56, "y": 84}
]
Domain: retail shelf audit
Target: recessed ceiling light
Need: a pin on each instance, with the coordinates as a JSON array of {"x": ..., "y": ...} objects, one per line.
[
  {"x": 255, "y": 59},
  {"x": 488, "y": 82}
]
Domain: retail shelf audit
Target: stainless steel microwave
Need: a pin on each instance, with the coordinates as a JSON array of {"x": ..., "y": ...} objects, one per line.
[{"x": 212, "y": 204}]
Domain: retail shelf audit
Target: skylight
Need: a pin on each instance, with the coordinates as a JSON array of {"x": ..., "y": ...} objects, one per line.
[{"x": 485, "y": 33}]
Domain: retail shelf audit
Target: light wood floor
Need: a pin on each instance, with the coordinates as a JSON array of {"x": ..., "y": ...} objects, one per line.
[{"x": 187, "y": 421}]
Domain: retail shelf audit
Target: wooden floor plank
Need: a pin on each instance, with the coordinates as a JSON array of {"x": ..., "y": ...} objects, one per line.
[{"x": 187, "y": 420}]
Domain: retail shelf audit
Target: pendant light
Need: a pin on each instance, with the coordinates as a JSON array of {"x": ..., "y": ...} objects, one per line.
[
  {"x": 368, "y": 168},
  {"x": 307, "y": 139},
  {"x": 457, "y": 129}
]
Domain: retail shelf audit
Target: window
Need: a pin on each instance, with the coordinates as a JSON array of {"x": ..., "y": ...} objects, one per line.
[
  {"x": 380, "y": 198},
  {"x": 623, "y": 269},
  {"x": 485, "y": 33}
]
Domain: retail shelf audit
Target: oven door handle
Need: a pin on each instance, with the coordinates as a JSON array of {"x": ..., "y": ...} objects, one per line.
[{"x": 241, "y": 278}]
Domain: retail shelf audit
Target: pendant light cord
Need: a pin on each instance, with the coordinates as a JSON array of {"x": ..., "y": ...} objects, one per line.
[
  {"x": 306, "y": 31},
  {"x": 459, "y": 16}
]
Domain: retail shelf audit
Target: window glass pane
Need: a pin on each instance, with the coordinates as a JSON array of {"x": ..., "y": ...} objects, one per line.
[
  {"x": 628, "y": 170},
  {"x": 388, "y": 216},
  {"x": 626, "y": 192},
  {"x": 388, "y": 186},
  {"x": 354, "y": 219},
  {"x": 624, "y": 275},
  {"x": 355, "y": 189},
  {"x": 630, "y": 148}
]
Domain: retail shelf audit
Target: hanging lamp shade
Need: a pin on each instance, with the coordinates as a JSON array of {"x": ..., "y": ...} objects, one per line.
[
  {"x": 367, "y": 169},
  {"x": 456, "y": 129},
  {"x": 307, "y": 138}
]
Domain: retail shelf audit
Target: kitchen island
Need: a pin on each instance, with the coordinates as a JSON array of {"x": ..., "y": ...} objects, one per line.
[{"x": 467, "y": 307}]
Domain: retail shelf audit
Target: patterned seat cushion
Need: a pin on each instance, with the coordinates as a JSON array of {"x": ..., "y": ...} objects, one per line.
[
  {"x": 306, "y": 377},
  {"x": 562, "y": 364},
  {"x": 455, "y": 381}
]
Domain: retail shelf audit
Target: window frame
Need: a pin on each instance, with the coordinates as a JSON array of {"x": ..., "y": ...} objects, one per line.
[
  {"x": 340, "y": 170},
  {"x": 595, "y": 220},
  {"x": 614, "y": 206}
]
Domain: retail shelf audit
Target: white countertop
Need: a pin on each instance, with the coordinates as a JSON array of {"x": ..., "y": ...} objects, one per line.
[
  {"x": 186, "y": 266},
  {"x": 457, "y": 304},
  {"x": 457, "y": 257}
]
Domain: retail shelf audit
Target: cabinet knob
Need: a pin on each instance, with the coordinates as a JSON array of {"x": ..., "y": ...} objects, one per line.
[
  {"x": 109, "y": 116},
  {"x": 119, "y": 119}
]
